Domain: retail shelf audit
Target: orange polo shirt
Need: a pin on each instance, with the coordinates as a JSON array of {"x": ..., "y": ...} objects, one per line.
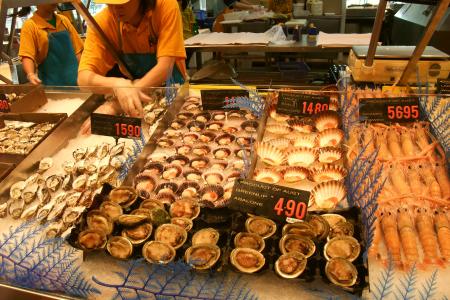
[
  {"x": 34, "y": 37},
  {"x": 166, "y": 24}
]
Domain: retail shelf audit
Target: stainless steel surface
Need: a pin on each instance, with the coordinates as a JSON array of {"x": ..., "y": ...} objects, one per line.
[
  {"x": 56, "y": 141},
  {"x": 399, "y": 52}
]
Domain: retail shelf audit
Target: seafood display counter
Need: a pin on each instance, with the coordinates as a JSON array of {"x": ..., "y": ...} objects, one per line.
[{"x": 164, "y": 216}]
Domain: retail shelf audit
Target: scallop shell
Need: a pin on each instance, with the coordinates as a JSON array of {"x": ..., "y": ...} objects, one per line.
[
  {"x": 192, "y": 100},
  {"x": 250, "y": 126},
  {"x": 269, "y": 154},
  {"x": 329, "y": 154},
  {"x": 201, "y": 150},
  {"x": 277, "y": 116},
  {"x": 166, "y": 187},
  {"x": 189, "y": 189},
  {"x": 165, "y": 143},
  {"x": 245, "y": 141},
  {"x": 326, "y": 120},
  {"x": 144, "y": 185},
  {"x": 185, "y": 116},
  {"x": 166, "y": 197},
  {"x": 202, "y": 117},
  {"x": 190, "y": 137},
  {"x": 172, "y": 133},
  {"x": 219, "y": 165},
  {"x": 279, "y": 129},
  {"x": 177, "y": 124},
  {"x": 171, "y": 171},
  {"x": 306, "y": 140},
  {"x": 199, "y": 163},
  {"x": 221, "y": 153},
  {"x": 195, "y": 126},
  {"x": 212, "y": 177},
  {"x": 218, "y": 116},
  {"x": 280, "y": 143},
  {"x": 243, "y": 152},
  {"x": 184, "y": 149},
  {"x": 235, "y": 114},
  {"x": 328, "y": 173},
  {"x": 295, "y": 174},
  {"x": 301, "y": 126},
  {"x": 330, "y": 137},
  {"x": 327, "y": 195},
  {"x": 267, "y": 175},
  {"x": 302, "y": 157},
  {"x": 211, "y": 193},
  {"x": 153, "y": 169},
  {"x": 180, "y": 160},
  {"x": 230, "y": 129},
  {"x": 193, "y": 175}
]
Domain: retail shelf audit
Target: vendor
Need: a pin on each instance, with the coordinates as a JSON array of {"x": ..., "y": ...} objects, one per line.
[
  {"x": 229, "y": 6},
  {"x": 148, "y": 35},
  {"x": 50, "y": 44}
]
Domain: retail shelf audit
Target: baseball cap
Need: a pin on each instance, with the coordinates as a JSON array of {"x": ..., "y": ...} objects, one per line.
[{"x": 116, "y": 2}]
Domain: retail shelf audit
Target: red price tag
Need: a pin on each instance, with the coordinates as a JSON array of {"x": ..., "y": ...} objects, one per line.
[
  {"x": 127, "y": 130},
  {"x": 403, "y": 112},
  {"x": 4, "y": 106},
  {"x": 314, "y": 107},
  {"x": 290, "y": 209}
]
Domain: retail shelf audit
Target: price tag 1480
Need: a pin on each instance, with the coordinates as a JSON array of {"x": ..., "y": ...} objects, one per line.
[
  {"x": 116, "y": 126},
  {"x": 297, "y": 104}
]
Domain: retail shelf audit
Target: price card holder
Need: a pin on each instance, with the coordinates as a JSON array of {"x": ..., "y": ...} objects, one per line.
[
  {"x": 297, "y": 104},
  {"x": 4, "y": 104},
  {"x": 272, "y": 201},
  {"x": 116, "y": 126},
  {"x": 443, "y": 87},
  {"x": 388, "y": 110},
  {"x": 217, "y": 99}
]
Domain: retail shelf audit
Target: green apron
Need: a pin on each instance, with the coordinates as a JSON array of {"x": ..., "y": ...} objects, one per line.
[
  {"x": 140, "y": 63},
  {"x": 60, "y": 67}
]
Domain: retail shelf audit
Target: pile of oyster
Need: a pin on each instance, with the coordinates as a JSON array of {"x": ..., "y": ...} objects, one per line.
[
  {"x": 154, "y": 109},
  {"x": 21, "y": 138},
  {"x": 199, "y": 157},
  {"x": 62, "y": 197},
  {"x": 304, "y": 153}
]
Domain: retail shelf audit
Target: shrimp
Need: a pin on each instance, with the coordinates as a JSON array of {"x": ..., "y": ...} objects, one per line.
[
  {"x": 442, "y": 226},
  {"x": 415, "y": 182},
  {"x": 427, "y": 236},
  {"x": 407, "y": 235},
  {"x": 430, "y": 180},
  {"x": 377, "y": 236},
  {"x": 383, "y": 152},
  {"x": 391, "y": 236},
  {"x": 421, "y": 136},
  {"x": 399, "y": 181},
  {"x": 443, "y": 180},
  {"x": 393, "y": 143},
  {"x": 407, "y": 143}
]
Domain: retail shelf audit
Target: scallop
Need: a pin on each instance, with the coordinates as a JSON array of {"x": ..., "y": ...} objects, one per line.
[
  {"x": 189, "y": 189},
  {"x": 218, "y": 116},
  {"x": 144, "y": 184},
  {"x": 180, "y": 160},
  {"x": 184, "y": 149},
  {"x": 167, "y": 187},
  {"x": 119, "y": 247},
  {"x": 196, "y": 126},
  {"x": 247, "y": 260},
  {"x": 193, "y": 175},
  {"x": 306, "y": 140},
  {"x": 171, "y": 234},
  {"x": 263, "y": 227},
  {"x": 138, "y": 234},
  {"x": 297, "y": 243},
  {"x": 341, "y": 272},
  {"x": 245, "y": 141},
  {"x": 326, "y": 120},
  {"x": 327, "y": 195},
  {"x": 153, "y": 169},
  {"x": 207, "y": 136},
  {"x": 165, "y": 143},
  {"x": 202, "y": 256},
  {"x": 205, "y": 236},
  {"x": 295, "y": 174},
  {"x": 184, "y": 116},
  {"x": 177, "y": 124},
  {"x": 250, "y": 126},
  {"x": 222, "y": 153},
  {"x": 269, "y": 154},
  {"x": 185, "y": 208},
  {"x": 290, "y": 265},
  {"x": 301, "y": 126},
  {"x": 302, "y": 157},
  {"x": 330, "y": 137},
  {"x": 92, "y": 239},
  {"x": 267, "y": 175},
  {"x": 211, "y": 193},
  {"x": 249, "y": 240},
  {"x": 243, "y": 152},
  {"x": 214, "y": 126},
  {"x": 230, "y": 129},
  {"x": 279, "y": 129},
  {"x": 158, "y": 252},
  {"x": 213, "y": 177},
  {"x": 199, "y": 163},
  {"x": 224, "y": 139},
  {"x": 202, "y": 117},
  {"x": 220, "y": 165},
  {"x": 328, "y": 173},
  {"x": 280, "y": 143},
  {"x": 329, "y": 155},
  {"x": 190, "y": 137},
  {"x": 345, "y": 247}
]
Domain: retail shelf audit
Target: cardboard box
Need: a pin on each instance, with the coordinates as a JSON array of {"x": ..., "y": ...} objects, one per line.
[{"x": 33, "y": 98}]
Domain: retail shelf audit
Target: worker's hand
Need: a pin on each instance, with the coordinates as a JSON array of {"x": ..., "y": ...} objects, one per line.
[
  {"x": 129, "y": 97},
  {"x": 106, "y": 108},
  {"x": 34, "y": 79}
]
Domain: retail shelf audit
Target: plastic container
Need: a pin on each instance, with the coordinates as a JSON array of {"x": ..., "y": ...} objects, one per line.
[{"x": 317, "y": 8}]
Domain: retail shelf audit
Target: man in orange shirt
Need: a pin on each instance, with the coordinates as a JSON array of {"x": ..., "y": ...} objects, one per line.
[
  {"x": 149, "y": 37},
  {"x": 50, "y": 42}
]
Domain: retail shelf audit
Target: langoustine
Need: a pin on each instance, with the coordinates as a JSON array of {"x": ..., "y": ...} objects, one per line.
[
  {"x": 427, "y": 235},
  {"x": 443, "y": 180},
  {"x": 442, "y": 226},
  {"x": 430, "y": 180},
  {"x": 391, "y": 236},
  {"x": 407, "y": 236}
]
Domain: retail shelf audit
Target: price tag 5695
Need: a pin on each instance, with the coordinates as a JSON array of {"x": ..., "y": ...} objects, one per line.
[{"x": 402, "y": 112}]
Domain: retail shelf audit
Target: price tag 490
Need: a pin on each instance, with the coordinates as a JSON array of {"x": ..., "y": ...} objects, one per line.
[{"x": 290, "y": 209}]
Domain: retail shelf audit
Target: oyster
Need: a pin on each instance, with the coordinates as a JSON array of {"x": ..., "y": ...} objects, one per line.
[
  {"x": 80, "y": 167},
  {"x": 117, "y": 161},
  {"x": 171, "y": 234},
  {"x": 138, "y": 234},
  {"x": 72, "y": 198},
  {"x": 91, "y": 166},
  {"x": 3, "y": 210},
  {"x": 71, "y": 214},
  {"x": 79, "y": 153},
  {"x": 104, "y": 164},
  {"x": 124, "y": 196},
  {"x": 117, "y": 149},
  {"x": 97, "y": 220},
  {"x": 247, "y": 260},
  {"x": 292, "y": 242},
  {"x": 16, "y": 189},
  {"x": 202, "y": 256},
  {"x": 185, "y": 223},
  {"x": 29, "y": 193},
  {"x": 54, "y": 182},
  {"x": 299, "y": 228},
  {"x": 30, "y": 211},
  {"x": 57, "y": 210},
  {"x": 185, "y": 208},
  {"x": 342, "y": 246},
  {"x": 249, "y": 240},
  {"x": 54, "y": 229},
  {"x": 111, "y": 209},
  {"x": 91, "y": 239},
  {"x": 158, "y": 252},
  {"x": 320, "y": 226},
  {"x": 92, "y": 181},
  {"x": 205, "y": 236},
  {"x": 45, "y": 164},
  {"x": 131, "y": 220},
  {"x": 79, "y": 183},
  {"x": 103, "y": 150},
  {"x": 290, "y": 265},
  {"x": 67, "y": 182},
  {"x": 261, "y": 226},
  {"x": 119, "y": 247},
  {"x": 341, "y": 272}
]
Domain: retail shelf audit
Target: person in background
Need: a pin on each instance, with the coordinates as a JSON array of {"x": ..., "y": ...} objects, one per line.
[
  {"x": 50, "y": 48},
  {"x": 188, "y": 17},
  {"x": 148, "y": 35},
  {"x": 229, "y": 6}
]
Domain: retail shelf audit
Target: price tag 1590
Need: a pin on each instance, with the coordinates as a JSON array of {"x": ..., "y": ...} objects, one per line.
[
  {"x": 269, "y": 200},
  {"x": 297, "y": 104},
  {"x": 116, "y": 126}
]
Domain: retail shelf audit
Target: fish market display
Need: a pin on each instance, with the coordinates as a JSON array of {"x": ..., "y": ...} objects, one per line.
[
  {"x": 304, "y": 153},
  {"x": 21, "y": 137},
  {"x": 61, "y": 198},
  {"x": 199, "y": 156},
  {"x": 11, "y": 97}
]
